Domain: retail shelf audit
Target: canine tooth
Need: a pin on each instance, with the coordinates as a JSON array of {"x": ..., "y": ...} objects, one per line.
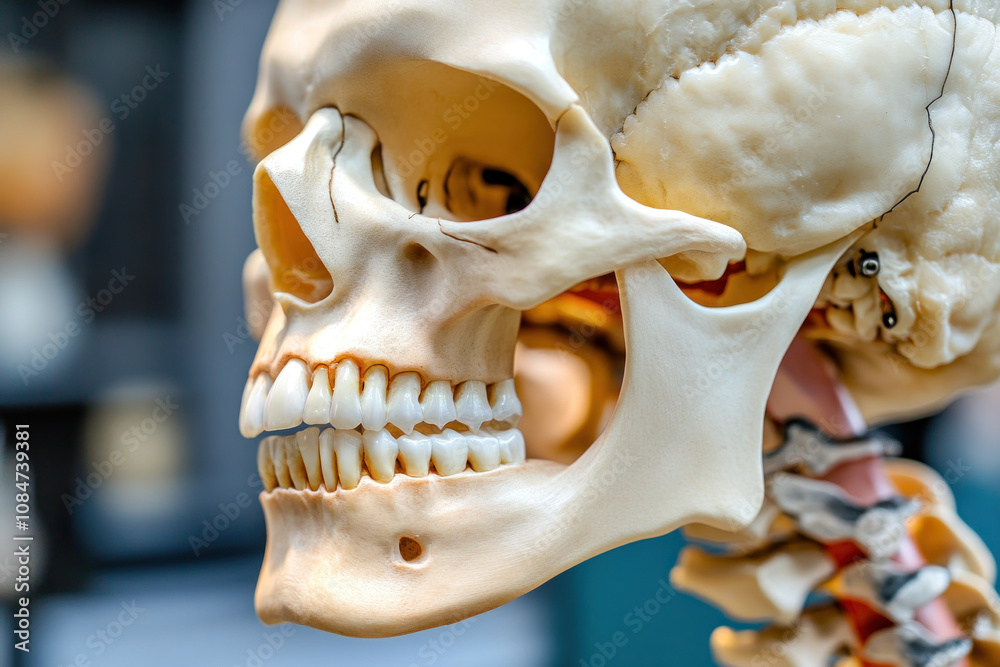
[
  {"x": 438, "y": 404},
  {"x": 484, "y": 452},
  {"x": 450, "y": 452},
  {"x": 511, "y": 446},
  {"x": 283, "y": 408},
  {"x": 504, "y": 401},
  {"x": 277, "y": 446},
  {"x": 308, "y": 442},
  {"x": 373, "y": 407},
  {"x": 296, "y": 468},
  {"x": 380, "y": 454},
  {"x": 346, "y": 410},
  {"x": 471, "y": 405},
  {"x": 265, "y": 464},
  {"x": 252, "y": 411},
  {"x": 415, "y": 454},
  {"x": 403, "y": 409},
  {"x": 317, "y": 410},
  {"x": 328, "y": 459},
  {"x": 347, "y": 445}
]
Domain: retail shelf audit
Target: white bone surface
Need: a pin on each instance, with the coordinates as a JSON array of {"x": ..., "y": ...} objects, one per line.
[
  {"x": 889, "y": 590},
  {"x": 825, "y": 512},
  {"x": 807, "y": 448},
  {"x": 911, "y": 645},
  {"x": 772, "y": 586},
  {"x": 651, "y": 136},
  {"x": 814, "y": 640}
]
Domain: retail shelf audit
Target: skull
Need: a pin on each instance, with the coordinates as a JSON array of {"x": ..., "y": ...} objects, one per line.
[{"x": 431, "y": 172}]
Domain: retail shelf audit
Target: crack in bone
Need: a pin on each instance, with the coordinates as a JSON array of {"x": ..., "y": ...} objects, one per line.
[{"x": 930, "y": 122}]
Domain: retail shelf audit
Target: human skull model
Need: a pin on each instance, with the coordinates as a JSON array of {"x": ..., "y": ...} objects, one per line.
[{"x": 430, "y": 171}]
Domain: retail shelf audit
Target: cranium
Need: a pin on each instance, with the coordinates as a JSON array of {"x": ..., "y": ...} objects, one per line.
[{"x": 431, "y": 170}]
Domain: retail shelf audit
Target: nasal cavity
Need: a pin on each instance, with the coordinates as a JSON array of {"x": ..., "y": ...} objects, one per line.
[
  {"x": 409, "y": 549},
  {"x": 296, "y": 269}
]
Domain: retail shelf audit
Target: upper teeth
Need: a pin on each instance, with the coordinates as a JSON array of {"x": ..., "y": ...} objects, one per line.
[{"x": 336, "y": 395}]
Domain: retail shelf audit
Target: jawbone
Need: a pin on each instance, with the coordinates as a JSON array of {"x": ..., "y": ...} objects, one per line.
[{"x": 683, "y": 446}]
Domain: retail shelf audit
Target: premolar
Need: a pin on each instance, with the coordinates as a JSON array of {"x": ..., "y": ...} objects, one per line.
[
  {"x": 317, "y": 410},
  {"x": 347, "y": 445},
  {"x": 403, "y": 410},
  {"x": 373, "y": 405},
  {"x": 346, "y": 410},
  {"x": 450, "y": 452},
  {"x": 380, "y": 454},
  {"x": 415, "y": 454}
]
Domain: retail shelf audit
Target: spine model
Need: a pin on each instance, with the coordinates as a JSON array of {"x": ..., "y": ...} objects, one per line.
[{"x": 856, "y": 559}]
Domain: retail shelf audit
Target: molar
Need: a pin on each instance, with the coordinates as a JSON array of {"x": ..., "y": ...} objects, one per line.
[
  {"x": 317, "y": 410},
  {"x": 449, "y": 451},
  {"x": 346, "y": 410},
  {"x": 252, "y": 409},
  {"x": 308, "y": 442},
  {"x": 380, "y": 455},
  {"x": 328, "y": 459},
  {"x": 287, "y": 397},
  {"x": 512, "y": 448},
  {"x": 438, "y": 404},
  {"x": 403, "y": 404},
  {"x": 471, "y": 405},
  {"x": 347, "y": 445},
  {"x": 415, "y": 454},
  {"x": 504, "y": 401},
  {"x": 373, "y": 405},
  {"x": 484, "y": 452}
]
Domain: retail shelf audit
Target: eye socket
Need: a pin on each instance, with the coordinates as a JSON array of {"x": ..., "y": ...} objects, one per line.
[
  {"x": 474, "y": 191},
  {"x": 456, "y": 145}
]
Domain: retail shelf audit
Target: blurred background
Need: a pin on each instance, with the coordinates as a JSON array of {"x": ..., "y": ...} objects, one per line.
[{"x": 124, "y": 223}]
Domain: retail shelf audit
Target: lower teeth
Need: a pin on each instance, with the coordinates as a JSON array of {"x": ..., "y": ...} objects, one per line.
[{"x": 314, "y": 459}]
